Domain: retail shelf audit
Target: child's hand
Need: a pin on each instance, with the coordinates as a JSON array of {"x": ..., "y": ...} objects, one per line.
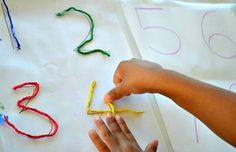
[
  {"x": 116, "y": 136},
  {"x": 134, "y": 76}
]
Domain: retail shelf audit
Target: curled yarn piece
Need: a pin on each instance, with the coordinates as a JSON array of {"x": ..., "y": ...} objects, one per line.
[
  {"x": 20, "y": 105},
  {"x": 12, "y": 29},
  {"x": 110, "y": 105},
  {"x": 89, "y": 37}
]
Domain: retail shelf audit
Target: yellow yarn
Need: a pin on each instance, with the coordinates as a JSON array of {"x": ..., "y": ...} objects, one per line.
[{"x": 110, "y": 105}]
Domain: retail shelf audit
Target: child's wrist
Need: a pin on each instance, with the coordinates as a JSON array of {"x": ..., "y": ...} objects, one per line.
[{"x": 163, "y": 81}]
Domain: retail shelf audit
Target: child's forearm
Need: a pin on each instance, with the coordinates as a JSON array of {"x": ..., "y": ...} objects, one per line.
[{"x": 214, "y": 106}]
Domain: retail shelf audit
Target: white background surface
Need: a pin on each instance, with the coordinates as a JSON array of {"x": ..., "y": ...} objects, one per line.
[
  {"x": 47, "y": 57},
  {"x": 194, "y": 59}
]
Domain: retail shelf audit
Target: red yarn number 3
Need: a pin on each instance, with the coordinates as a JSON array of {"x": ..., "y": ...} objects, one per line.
[{"x": 25, "y": 108}]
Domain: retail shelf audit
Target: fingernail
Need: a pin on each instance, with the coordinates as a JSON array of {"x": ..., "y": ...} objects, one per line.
[
  {"x": 107, "y": 98},
  {"x": 155, "y": 142},
  {"x": 90, "y": 131},
  {"x": 118, "y": 118},
  {"x": 96, "y": 117},
  {"x": 109, "y": 115}
]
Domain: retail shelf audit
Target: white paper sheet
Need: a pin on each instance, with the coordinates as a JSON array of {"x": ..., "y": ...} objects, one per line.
[
  {"x": 194, "y": 134},
  {"x": 47, "y": 57},
  {"x": 197, "y": 40}
]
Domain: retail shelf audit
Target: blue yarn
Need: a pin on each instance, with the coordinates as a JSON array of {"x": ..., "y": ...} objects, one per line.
[
  {"x": 1, "y": 119},
  {"x": 11, "y": 25}
]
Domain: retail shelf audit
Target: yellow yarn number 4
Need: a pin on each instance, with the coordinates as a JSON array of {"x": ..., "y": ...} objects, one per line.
[{"x": 110, "y": 105}]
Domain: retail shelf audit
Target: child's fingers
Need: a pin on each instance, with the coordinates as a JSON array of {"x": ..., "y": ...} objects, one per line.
[
  {"x": 152, "y": 147},
  {"x": 124, "y": 128},
  {"x": 115, "y": 94},
  {"x": 100, "y": 145},
  {"x": 112, "y": 124},
  {"x": 117, "y": 78},
  {"x": 102, "y": 128}
]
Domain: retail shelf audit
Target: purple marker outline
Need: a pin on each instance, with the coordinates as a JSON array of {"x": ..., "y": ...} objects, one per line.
[
  {"x": 171, "y": 31},
  {"x": 208, "y": 43},
  {"x": 160, "y": 27},
  {"x": 196, "y": 130},
  {"x": 231, "y": 86},
  {"x": 222, "y": 35},
  {"x": 145, "y": 8}
]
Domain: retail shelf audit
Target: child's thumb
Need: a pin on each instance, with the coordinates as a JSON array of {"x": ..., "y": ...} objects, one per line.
[{"x": 115, "y": 94}]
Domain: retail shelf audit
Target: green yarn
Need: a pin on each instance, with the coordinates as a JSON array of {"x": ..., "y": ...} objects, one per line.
[
  {"x": 89, "y": 37},
  {"x": 1, "y": 106}
]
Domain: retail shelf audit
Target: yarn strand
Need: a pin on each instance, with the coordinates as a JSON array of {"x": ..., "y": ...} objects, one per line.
[
  {"x": 2, "y": 106},
  {"x": 18, "y": 46},
  {"x": 89, "y": 36},
  {"x": 20, "y": 105},
  {"x": 110, "y": 105}
]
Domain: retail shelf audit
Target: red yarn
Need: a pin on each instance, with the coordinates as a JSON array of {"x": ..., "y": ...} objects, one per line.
[{"x": 20, "y": 105}]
